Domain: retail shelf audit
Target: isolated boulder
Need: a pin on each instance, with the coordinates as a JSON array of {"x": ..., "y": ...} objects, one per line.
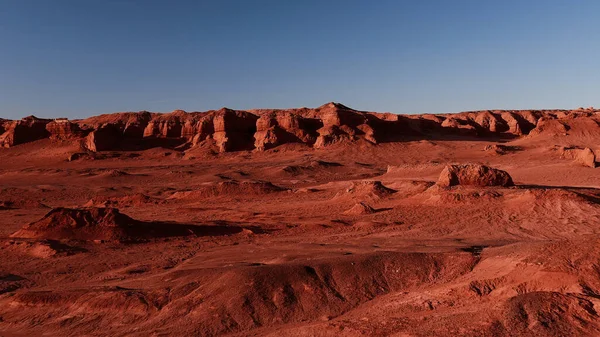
[
  {"x": 473, "y": 175},
  {"x": 586, "y": 157}
]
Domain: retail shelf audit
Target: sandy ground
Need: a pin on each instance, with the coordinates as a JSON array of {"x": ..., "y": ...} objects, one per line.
[{"x": 290, "y": 242}]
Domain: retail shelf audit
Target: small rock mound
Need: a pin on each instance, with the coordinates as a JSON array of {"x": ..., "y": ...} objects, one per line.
[
  {"x": 365, "y": 190},
  {"x": 448, "y": 197},
  {"x": 231, "y": 189},
  {"x": 124, "y": 201},
  {"x": 114, "y": 173},
  {"x": 473, "y": 175},
  {"x": 369, "y": 186},
  {"x": 79, "y": 224},
  {"x": 499, "y": 149},
  {"x": 97, "y": 224},
  {"x": 360, "y": 209},
  {"x": 312, "y": 167}
]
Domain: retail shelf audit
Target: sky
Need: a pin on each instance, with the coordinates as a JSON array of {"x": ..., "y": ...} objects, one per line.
[{"x": 73, "y": 58}]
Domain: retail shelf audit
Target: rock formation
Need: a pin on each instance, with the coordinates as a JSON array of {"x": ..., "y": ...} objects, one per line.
[
  {"x": 365, "y": 190},
  {"x": 168, "y": 125},
  {"x": 62, "y": 128},
  {"x": 97, "y": 224},
  {"x": 234, "y": 130},
  {"x": 360, "y": 209},
  {"x": 473, "y": 175},
  {"x": 230, "y": 189},
  {"x": 79, "y": 224},
  {"x": 106, "y": 137},
  {"x": 587, "y": 158},
  {"x": 25, "y": 130},
  {"x": 273, "y": 129},
  {"x": 581, "y": 156},
  {"x": 264, "y": 129}
]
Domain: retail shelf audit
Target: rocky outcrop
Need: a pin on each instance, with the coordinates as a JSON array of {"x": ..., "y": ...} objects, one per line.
[
  {"x": 462, "y": 126},
  {"x": 268, "y": 133},
  {"x": 230, "y": 189},
  {"x": 234, "y": 130},
  {"x": 105, "y": 138},
  {"x": 500, "y": 149},
  {"x": 135, "y": 124},
  {"x": 329, "y": 124},
  {"x": 97, "y": 224},
  {"x": 365, "y": 190},
  {"x": 473, "y": 175},
  {"x": 62, "y": 128},
  {"x": 25, "y": 130},
  {"x": 489, "y": 123},
  {"x": 273, "y": 129},
  {"x": 79, "y": 224},
  {"x": 518, "y": 123},
  {"x": 201, "y": 131},
  {"x": 581, "y": 156},
  {"x": 130, "y": 124},
  {"x": 168, "y": 125},
  {"x": 587, "y": 158},
  {"x": 340, "y": 124},
  {"x": 550, "y": 127},
  {"x": 4, "y": 124},
  {"x": 360, "y": 209}
]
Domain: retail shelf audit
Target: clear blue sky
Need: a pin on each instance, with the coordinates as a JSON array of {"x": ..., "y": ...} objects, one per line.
[{"x": 76, "y": 58}]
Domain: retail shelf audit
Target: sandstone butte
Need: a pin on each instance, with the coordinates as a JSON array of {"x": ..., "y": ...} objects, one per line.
[{"x": 229, "y": 130}]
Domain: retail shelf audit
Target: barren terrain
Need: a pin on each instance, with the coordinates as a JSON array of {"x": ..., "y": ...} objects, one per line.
[{"x": 301, "y": 222}]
